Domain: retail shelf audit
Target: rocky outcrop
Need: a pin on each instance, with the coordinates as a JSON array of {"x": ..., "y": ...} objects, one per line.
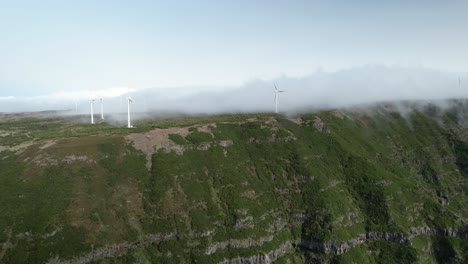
[
  {"x": 262, "y": 258},
  {"x": 122, "y": 248},
  {"x": 237, "y": 243},
  {"x": 334, "y": 248},
  {"x": 319, "y": 124},
  {"x": 331, "y": 247},
  {"x": 226, "y": 143},
  {"x": 45, "y": 160},
  {"x": 271, "y": 139}
]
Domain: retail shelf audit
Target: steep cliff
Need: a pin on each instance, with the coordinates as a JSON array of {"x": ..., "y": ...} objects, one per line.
[{"x": 382, "y": 183}]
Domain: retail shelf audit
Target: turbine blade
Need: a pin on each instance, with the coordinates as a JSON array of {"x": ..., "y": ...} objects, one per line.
[{"x": 276, "y": 89}]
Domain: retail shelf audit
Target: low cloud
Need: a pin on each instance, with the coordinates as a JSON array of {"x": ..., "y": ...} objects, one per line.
[{"x": 320, "y": 90}]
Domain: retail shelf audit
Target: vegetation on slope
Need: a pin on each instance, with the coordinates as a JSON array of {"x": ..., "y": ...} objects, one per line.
[{"x": 366, "y": 186}]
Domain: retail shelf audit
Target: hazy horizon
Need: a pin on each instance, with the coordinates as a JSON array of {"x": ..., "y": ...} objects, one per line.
[
  {"x": 319, "y": 90},
  {"x": 217, "y": 56}
]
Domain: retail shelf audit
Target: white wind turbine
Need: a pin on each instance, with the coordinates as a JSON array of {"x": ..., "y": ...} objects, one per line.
[
  {"x": 276, "y": 97},
  {"x": 92, "y": 110},
  {"x": 102, "y": 110},
  {"x": 129, "y": 101}
]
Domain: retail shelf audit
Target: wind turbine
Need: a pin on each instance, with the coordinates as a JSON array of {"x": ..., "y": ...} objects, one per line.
[
  {"x": 276, "y": 97},
  {"x": 459, "y": 82},
  {"x": 92, "y": 110},
  {"x": 129, "y": 100},
  {"x": 102, "y": 110}
]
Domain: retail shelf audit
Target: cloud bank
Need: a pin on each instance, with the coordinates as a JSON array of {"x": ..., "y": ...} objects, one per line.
[{"x": 320, "y": 90}]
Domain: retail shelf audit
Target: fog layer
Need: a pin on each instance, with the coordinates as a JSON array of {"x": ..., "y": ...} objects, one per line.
[{"x": 319, "y": 90}]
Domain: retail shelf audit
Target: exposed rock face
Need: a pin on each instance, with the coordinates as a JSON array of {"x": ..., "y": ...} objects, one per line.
[
  {"x": 333, "y": 248},
  {"x": 226, "y": 143},
  {"x": 319, "y": 124},
  {"x": 236, "y": 243},
  {"x": 204, "y": 146},
  {"x": 271, "y": 139},
  {"x": 116, "y": 249},
  {"x": 46, "y": 160},
  {"x": 266, "y": 258}
]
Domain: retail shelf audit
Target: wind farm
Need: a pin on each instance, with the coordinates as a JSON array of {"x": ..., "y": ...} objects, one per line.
[{"x": 144, "y": 132}]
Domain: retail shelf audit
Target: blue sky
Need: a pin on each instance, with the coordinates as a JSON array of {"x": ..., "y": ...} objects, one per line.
[{"x": 49, "y": 46}]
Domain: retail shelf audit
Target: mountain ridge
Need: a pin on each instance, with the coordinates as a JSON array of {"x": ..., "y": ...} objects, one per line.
[{"x": 368, "y": 185}]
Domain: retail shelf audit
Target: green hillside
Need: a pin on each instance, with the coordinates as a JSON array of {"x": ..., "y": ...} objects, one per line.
[{"x": 369, "y": 185}]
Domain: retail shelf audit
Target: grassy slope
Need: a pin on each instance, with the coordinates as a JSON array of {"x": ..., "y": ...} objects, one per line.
[{"x": 279, "y": 181}]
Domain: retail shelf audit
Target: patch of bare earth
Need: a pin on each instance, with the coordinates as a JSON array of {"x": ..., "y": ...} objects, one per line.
[
  {"x": 47, "y": 144},
  {"x": 296, "y": 120},
  {"x": 18, "y": 149},
  {"x": 4, "y": 133},
  {"x": 272, "y": 123},
  {"x": 338, "y": 115},
  {"x": 150, "y": 142},
  {"x": 364, "y": 119},
  {"x": 207, "y": 128}
]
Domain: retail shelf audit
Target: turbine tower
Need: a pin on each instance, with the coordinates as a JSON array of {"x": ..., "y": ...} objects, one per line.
[
  {"x": 92, "y": 110},
  {"x": 102, "y": 110},
  {"x": 276, "y": 98},
  {"x": 129, "y": 100}
]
